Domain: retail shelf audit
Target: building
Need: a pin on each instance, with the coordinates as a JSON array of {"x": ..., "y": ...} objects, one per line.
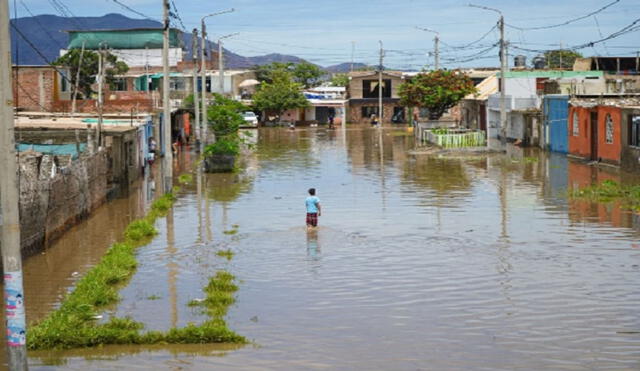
[
  {"x": 524, "y": 90},
  {"x": 325, "y": 102},
  {"x": 630, "y": 128},
  {"x": 554, "y": 132},
  {"x": 39, "y": 88},
  {"x": 473, "y": 108},
  {"x": 363, "y": 95}
]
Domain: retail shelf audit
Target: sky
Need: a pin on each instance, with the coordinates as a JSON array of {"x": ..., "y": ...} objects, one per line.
[{"x": 328, "y": 32}]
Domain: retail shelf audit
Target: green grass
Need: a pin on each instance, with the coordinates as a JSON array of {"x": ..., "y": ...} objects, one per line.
[
  {"x": 154, "y": 297},
  {"x": 225, "y": 254},
  {"x": 185, "y": 179},
  {"x": 74, "y": 323},
  {"x": 610, "y": 191},
  {"x": 230, "y": 231}
]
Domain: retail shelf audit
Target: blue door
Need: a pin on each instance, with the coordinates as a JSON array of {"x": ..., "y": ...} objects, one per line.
[{"x": 556, "y": 113}]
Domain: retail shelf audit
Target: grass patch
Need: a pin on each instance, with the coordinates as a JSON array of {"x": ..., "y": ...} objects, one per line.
[
  {"x": 73, "y": 324},
  {"x": 225, "y": 254},
  {"x": 230, "y": 231},
  {"x": 610, "y": 191},
  {"x": 530, "y": 160},
  {"x": 219, "y": 295},
  {"x": 153, "y": 297},
  {"x": 185, "y": 179}
]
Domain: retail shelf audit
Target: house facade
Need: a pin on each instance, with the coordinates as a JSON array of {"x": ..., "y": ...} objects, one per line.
[
  {"x": 39, "y": 88},
  {"x": 363, "y": 93},
  {"x": 595, "y": 131}
]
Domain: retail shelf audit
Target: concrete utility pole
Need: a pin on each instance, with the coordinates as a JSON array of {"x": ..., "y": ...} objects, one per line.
[
  {"x": 380, "y": 112},
  {"x": 436, "y": 46},
  {"x": 167, "y": 160},
  {"x": 100, "y": 97},
  {"x": 503, "y": 73},
  {"x": 196, "y": 103},
  {"x": 9, "y": 196},
  {"x": 75, "y": 89},
  {"x": 221, "y": 61},
  {"x": 203, "y": 68}
]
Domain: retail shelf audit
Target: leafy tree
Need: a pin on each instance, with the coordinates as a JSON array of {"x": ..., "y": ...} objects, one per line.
[
  {"x": 265, "y": 73},
  {"x": 307, "y": 74},
  {"x": 225, "y": 118},
  {"x": 340, "y": 79},
  {"x": 89, "y": 69},
  {"x": 561, "y": 58},
  {"x": 278, "y": 96},
  {"x": 436, "y": 90}
]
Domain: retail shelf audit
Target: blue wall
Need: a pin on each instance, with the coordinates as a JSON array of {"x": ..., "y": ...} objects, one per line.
[{"x": 556, "y": 112}]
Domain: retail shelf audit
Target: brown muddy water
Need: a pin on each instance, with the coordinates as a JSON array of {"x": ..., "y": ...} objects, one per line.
[{"x": 438, "y": 263}]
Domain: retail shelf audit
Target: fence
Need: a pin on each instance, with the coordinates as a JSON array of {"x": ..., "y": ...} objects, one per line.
[{"x": 447, "y": 139}]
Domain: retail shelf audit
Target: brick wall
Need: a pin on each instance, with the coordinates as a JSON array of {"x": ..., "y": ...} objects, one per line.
[
  {"x": 34, "y": 89},
  {"x": 354, "y": 114}
]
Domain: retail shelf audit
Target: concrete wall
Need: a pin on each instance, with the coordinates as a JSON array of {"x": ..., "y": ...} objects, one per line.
[
  {"x": 582, "y": 144},
  {"x": 609, "y": 152},
  {"x": 55, "y": 194}
]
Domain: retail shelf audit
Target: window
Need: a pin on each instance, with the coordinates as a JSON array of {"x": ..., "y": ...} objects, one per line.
[
  {"x": 176, "y": 84},
  {"x": 368, "y": 111},
  {"x": 398, "y": 115},
  {"x": 64, "y": 83},
  {"x": 370, "y": 88},
  {"x": 634, "y": 130},
  {"x": 119, "y": 84},
  {"x": 608, "y": 129},
  {"x": 576, "y": 124}
]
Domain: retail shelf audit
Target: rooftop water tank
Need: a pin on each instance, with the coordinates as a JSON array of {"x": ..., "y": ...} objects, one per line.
[
  {"x": 520, "y": 61},
  {"x": 539, "y": 62}
]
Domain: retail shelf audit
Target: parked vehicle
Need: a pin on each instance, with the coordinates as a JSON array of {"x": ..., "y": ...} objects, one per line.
[{"x": 250, "y": 118}]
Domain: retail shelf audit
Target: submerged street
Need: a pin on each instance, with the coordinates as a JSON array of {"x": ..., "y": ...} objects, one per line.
[{"x": 419, "y": 262}]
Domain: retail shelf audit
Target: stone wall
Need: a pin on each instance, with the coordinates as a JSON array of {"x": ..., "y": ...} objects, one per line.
[{"x": 56, "y": 193}]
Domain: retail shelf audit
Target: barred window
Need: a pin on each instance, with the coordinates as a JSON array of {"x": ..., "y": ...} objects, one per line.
[
  {"x": 608, "y": 129},
  {"x": 576, "y": 125}
]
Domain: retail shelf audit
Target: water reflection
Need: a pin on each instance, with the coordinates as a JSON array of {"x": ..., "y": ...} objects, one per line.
[{"x": 313, "y": 247}]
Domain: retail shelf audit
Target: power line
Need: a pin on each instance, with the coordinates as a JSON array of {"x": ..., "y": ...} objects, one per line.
[
  {"x": 176, "y": 15},
  {"x": 130, "y": 9},
  {"x": 40, "y": 24},
  {"x": 565, "y": 22}
]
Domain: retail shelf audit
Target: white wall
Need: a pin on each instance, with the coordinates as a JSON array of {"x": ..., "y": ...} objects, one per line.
[
  {"x": 142, "y": 57},
  {"x": 521, "y": 87}
]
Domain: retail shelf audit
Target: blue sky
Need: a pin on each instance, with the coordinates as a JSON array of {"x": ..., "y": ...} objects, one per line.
[{"x": 323, "y": 31}]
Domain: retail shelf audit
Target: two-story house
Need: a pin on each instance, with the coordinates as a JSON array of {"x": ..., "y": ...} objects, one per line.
[{"x": 363, "y": 93}]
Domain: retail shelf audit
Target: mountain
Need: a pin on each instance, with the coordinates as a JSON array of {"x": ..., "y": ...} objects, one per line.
[
  {"x": 344, "y": 67},
  {"x": 45, "y": 37}
]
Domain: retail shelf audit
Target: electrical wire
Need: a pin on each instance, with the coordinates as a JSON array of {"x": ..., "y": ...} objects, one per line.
[
  {"x": 130, "y": 9},
  {"x": 565, "y": 22}
]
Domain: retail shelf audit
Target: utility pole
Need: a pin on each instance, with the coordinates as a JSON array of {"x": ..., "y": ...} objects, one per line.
[
  {"x": 167, "y": 160},
  {"x": 75, "y": 89},
  {"x": 100, "y": 97},
  {"x": 380, "y": 112},
  {"x": 436, "y": 46},
  {"x": 9, "y": 204},
  {"x": 353, "y": 50},
  {"x": 221, "y": 61},
  {"x": 561, "y": 66},
  {"x": 503, "y": 80},
  {"x": 203, "y": 68},
  {"x": 203, "y": 90},
  {"x": 196, "y": 103},
  {"x": 503, "y": 73}
]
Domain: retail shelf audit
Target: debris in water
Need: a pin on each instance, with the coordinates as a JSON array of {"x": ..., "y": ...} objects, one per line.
[{"x": 75, "y": 274}]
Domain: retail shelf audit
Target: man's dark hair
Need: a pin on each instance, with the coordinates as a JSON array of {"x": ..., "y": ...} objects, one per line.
[{"x": 312, "y": 191}]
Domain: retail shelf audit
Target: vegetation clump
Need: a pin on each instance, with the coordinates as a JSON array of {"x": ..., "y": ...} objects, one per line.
[
  {"x": 73, "y": 324},
  {"x": 185, "y": 179},
  {"x": 610, "y": 191},
  {"x": 225, "y": 254}
]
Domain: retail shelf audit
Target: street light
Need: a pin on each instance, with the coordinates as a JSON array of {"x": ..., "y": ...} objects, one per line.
[
  {"x": 436, "y": 41},
  {"x": 503, "y": 72},
  {"x": 221, "y": 60},
  {"x": 203, "y": 76}
]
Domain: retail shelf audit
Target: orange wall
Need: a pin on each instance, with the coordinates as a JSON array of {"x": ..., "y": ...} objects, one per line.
[
  {"x": 580, "y": 145},
  {"x": 609, "y": 151}
]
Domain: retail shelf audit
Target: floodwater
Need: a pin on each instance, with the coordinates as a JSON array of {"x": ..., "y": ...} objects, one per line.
[{"x": 419, "y": 263}]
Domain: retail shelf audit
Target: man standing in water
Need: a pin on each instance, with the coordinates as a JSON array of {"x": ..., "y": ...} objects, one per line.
[{"x": 313, "y": 208}]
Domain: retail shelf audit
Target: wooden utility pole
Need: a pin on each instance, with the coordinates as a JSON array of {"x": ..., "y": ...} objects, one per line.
[
  {"x": 380, "y": 113},
  {"x": 75, "y": 89},
  {"x": 436, "y": 48},
  {"x": 9, "y": 205},
  {"x": 353, "y": 51},
  {"x": 196, "y": 103},
  {"x": 167, "y": 160}
]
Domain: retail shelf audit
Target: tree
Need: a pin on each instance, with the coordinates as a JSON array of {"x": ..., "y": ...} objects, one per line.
[
  {"x": 89, "y": 69},
  {"x": 307, "y": 74},
  {"x": 225, "y": 119},
  {"x": 278, "y": 96},
  {"x": 562, "y": 58},
  {"x": 266, "y": 72},
  {"x": 340, "y": 79},
  {"x": 436, "y": 90}
]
